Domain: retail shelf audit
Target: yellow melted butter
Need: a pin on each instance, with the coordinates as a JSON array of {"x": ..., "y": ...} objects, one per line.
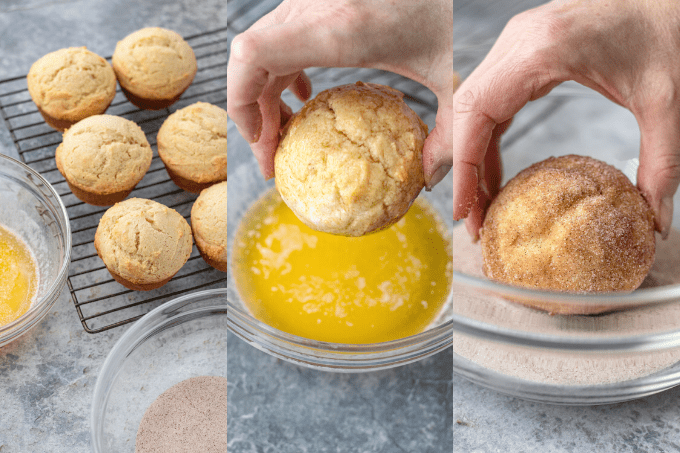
[
  {"x": 18, "y": 277},
  {"x": 380, "y": 287}
]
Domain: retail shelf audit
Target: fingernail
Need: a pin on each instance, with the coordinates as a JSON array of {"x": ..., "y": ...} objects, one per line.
[
  {"x": 437, "y": 176},
  {"x": 305, "y": 92},
  {"x": 665, "y": 216},
  {"x": 256, "y": 136},
  {"x": 473, "y": 232},
  {"x": 464, "y": 207},
  {"x": 484, "y": 189}
]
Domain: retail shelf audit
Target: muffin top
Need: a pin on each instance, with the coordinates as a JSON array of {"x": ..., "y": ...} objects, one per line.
[
  {"x": 209, "y": 221},
  {"x": 154, "y": 63},
  {"x": 104, "y": 154},
  {"x": 570, "y": 223},
  {"x": 193, "y": 142},
  {"x": 143, "y": 241},
  {"x": 350, "y": 161},
  {"x": 72, "y": 84}
]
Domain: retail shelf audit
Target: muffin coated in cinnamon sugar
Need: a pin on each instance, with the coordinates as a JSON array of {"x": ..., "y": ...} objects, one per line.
[
  {"x": 143, "y": 243},
  {"x": 192, "y": 143},
  {"x": 102, "y": 158},
  {"x": 154, "y": 66},
  {"x": 71, "y": 84},
  {"x": 350, "y": 161},
  {"x": 209, "y": 225},
  {"x": 571, "y": 224}
]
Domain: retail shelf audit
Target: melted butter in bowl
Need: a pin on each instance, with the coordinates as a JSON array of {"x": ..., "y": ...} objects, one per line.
[
  {"x": 375, "y": 288},
  {"x": 18, "y": 277}
]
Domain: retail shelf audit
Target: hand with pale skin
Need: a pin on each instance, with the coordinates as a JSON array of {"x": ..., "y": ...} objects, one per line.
[
  {"x": 411, "y": 38},
  {"x": 625, "y": 49}
]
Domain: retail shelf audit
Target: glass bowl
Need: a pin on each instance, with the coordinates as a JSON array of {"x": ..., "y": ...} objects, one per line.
[
  {"x": 246, "y": 185},
  {"x": 32, "y": 209},
  {"x": 630, "y": 351},
  {"x": 183, "y": 338}
]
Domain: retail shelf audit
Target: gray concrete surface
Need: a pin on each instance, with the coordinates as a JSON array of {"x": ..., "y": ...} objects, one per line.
[{"x": 47, "y": 377}]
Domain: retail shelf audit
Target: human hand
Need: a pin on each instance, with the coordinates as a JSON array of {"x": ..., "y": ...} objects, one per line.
[
  {"x": 413, "y": 39},
  {"x": 625, "y": 49}
]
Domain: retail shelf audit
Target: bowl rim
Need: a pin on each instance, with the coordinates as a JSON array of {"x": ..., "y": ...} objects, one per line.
[
  {"x": 337, "y": 357},
  {"x": 331, "y": 356},
  {"x": 563, "y": 394},
  {"x": 667, "y": 294},
  {"x": 41, "y": 307},
  {"x": 140, "y": 331},
  {"x": 330, "y": 346}
]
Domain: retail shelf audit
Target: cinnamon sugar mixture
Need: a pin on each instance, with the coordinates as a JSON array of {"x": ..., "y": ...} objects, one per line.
[
  {"x": 564, "y": 368},
  {"x": 190, "y": 417}
]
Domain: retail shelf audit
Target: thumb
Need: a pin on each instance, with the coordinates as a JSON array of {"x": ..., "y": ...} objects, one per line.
[
  {"x": 659, "y": 172},
  {"x": 489, "y": 181},
  {"x": 437, "y": 156}
]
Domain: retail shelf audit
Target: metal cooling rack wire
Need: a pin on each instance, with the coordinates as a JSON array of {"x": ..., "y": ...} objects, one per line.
[{"x": 101, "y": 303}]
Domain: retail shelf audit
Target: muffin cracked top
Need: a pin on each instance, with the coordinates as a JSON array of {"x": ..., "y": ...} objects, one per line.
[
  {"x": 71, "y": 84},
  {"x": 154, "y": 63},
  {"x": 192, "y": 142},
  {"x": 350, "y": 161},
  {"x": 104, "y": 154},
  {"x": 143, "y": 241}
]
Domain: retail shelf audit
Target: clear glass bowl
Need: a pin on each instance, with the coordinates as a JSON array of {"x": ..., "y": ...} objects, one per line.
[
  {"x": 31, "y": 208},
  {"x": 183, "y": 338},
  {"x": 246, "y": 185},
  {"x": 626, "y": 353}
]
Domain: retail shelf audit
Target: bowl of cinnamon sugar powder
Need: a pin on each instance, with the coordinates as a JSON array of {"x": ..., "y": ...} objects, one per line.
[
  {"x": 568, "y": 346},
  {"x": 163, "y": 386}
]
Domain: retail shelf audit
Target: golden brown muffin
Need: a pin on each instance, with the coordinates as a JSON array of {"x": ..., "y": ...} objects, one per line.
[
  {"x": 209, "y": 225},
  {"x": 71, "y": 84},
  {"x": 350, "y": 161},
  {"x": 102, "y": 158},
  {"x": 571, "y": 224},
  {"x": 192, "y": 142},
  {"x": 142, "y": 243},
  {"x": 154, "y": 67}
]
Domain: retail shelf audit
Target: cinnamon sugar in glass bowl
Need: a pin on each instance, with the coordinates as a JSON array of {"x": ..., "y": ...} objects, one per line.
[
  {"x": 181, "y": 339},
  {"x": 629, "y": 351},
  {"x": 32, "y": 209}
]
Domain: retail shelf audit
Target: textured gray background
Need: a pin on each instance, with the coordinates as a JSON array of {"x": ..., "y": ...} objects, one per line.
[
  {"x": 275, "y": 406},
  {"x": 47, "y": 376},
  {"x": 278, "y": 407}
]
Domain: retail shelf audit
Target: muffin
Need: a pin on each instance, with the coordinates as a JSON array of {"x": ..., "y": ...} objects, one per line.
[
  {"x": 71, "y": 84},
  {"x": 102, "y": 158},
  {"x": 209, "y": 225},
  {"x": 142, "y": 243},
  {"x": 571, "y": 224},
  {"x": 192, "y": 143},
  {"x": 350, "y": 161},
  {"x": 154, "y": 67}
]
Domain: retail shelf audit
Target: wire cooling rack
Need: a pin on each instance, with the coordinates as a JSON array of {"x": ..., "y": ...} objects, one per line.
[{"x": 101, "y": 302}]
